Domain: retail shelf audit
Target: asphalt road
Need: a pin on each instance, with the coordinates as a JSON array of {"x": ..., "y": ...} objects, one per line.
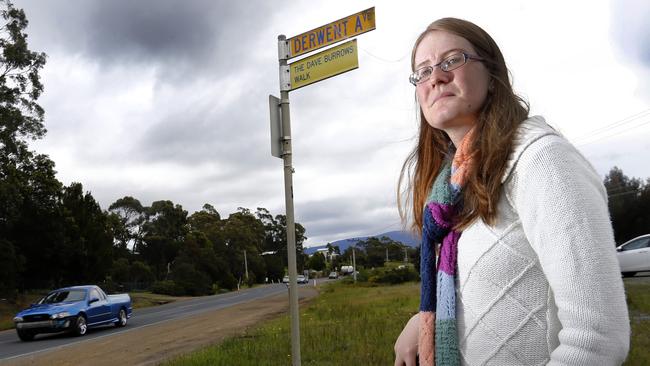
[{"x": 11, "y": 347}]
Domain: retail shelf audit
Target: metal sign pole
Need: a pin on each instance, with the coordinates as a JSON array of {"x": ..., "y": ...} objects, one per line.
[{"x": 283, "y": 55}]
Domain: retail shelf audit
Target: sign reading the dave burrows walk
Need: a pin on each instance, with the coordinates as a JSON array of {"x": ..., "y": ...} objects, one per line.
[
  {"x": 334, "y": 32},
  {"x": 331, "y": 62}
]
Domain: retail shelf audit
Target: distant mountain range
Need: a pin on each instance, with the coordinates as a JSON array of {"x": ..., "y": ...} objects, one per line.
[{"x": 401, "y": 236}]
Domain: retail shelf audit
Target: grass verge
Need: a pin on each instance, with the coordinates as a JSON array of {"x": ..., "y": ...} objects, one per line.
[
  {"x": 638, "y": 303},
  {"x": 356, "y": 325},
  {"x": 146, "y": 299},
  {"x": 344, "y": 325}
]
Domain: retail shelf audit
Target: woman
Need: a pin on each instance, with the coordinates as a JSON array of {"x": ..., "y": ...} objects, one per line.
[{"x": 526, "y": 271}]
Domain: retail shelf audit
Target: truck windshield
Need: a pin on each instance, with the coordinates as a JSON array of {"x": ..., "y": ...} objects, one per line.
[{"x": 63, "y": 296}]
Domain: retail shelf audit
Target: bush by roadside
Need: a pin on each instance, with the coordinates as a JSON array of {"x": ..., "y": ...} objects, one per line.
[{"x": 391, "y": 275}]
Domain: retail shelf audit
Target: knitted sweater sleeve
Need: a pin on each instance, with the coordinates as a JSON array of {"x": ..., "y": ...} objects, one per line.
[{"x": 562, "y": 205}]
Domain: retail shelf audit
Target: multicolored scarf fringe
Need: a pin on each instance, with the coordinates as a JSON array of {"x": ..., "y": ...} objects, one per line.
[{"x": 438, "y": 334}]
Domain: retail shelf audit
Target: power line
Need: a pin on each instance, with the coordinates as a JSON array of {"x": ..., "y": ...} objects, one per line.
[
  {"x": 621, "y": 122},
  {"x": 381, "y": 58},
  {"x": 612, "y": 134},
  {"x": 614, "y": 125}
]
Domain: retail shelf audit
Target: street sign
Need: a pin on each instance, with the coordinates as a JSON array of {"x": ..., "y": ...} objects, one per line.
[
  {"x": 331, "y": 62},
  {"x": 334, "y": 32},
  {"x": 276, "y": 126}
]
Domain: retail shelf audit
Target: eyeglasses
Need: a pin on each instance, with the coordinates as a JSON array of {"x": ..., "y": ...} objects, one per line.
[{"x": 448, "y": 64}]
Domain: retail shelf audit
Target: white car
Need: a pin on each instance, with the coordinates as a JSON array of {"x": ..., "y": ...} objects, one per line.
[
  {"x": 634, "y": 255},
  {"x": 303, "y": 279}
]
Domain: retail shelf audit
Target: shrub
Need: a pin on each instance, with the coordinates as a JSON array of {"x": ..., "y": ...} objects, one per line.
[
  {"x": 166, "y": 287},
  {"x": 228, "y": 281},
  {"x": 191, "y": 281},
  {"x": 393, "y": 275}
]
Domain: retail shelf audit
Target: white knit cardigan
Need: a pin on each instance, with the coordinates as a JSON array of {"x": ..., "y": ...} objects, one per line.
[{"x": 543, "y": 286}]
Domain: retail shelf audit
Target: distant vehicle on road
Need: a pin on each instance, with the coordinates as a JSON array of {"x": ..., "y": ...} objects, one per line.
[
  {"x": 333, "y": 275},
  {"x": 634, "y": 255},
  {"x": 285, "y": 279},
  {"x": 73, "y": 309},
  {"x": 346, "y": 270},
  {"x": 303, "y": 279}
]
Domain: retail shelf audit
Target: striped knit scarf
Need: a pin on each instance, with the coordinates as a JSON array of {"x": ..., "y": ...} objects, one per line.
[{"x": 438, "y": 296}]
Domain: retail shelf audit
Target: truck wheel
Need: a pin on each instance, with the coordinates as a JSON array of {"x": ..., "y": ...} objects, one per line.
[
  {"x": 25, "y": 335},
  {"x": 80, "y": 326},
  {"x": 121, "y": 318}
]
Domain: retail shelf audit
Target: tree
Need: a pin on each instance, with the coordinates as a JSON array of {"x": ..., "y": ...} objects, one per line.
[
  {"x": 195, "y": 268},
  {"x": 242, "y": 231},
  {"x": 34, "y": 218},
  {"x": 20, "y": 85},
  {"x": 26, "y": 179},
  {"x": 87, "y": 240},
  {"x": 274, "y": 267},
  {"x": 359, "y": 255},
  {"x": 164, "y": 232},
  {"x": 206, "y": 220},
  {"x": 317, "y": 262},
  {"x": 629, "y": 205},
  {"x": 10, "y": 265},
  {"x": 282, "y": 240},
  {"x": 128, "y": 217}
]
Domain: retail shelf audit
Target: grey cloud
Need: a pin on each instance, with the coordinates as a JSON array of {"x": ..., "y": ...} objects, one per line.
[
  {"x": 339, "y": 217},
  {"x": 196, "y": 132},
  {"x": 176, "y": 36},
  {"x": 630, "y": 29}
]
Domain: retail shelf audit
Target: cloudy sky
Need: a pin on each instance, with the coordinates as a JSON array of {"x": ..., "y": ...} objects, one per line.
[{"x": 160, "y": 99}]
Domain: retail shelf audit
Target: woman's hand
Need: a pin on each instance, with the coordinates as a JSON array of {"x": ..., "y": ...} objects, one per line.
[{"x": 406, "y": 346}]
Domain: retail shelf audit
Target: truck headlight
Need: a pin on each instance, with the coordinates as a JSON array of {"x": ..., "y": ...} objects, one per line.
[
  {"x": 60, "y": 315},
  {"x": 18, "y": 319}
]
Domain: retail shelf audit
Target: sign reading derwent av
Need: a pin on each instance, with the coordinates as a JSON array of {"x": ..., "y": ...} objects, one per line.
[
  {"x": 325, "y": 64},
  {"x": 333, "y": 32}
]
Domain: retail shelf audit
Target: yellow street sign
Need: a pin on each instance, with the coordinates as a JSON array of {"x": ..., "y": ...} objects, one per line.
[
  {"x": 331, "y": 62},
  {"x": 350, "y": 26}
]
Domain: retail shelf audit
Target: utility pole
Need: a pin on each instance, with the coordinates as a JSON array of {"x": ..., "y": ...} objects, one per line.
[
  {"x": 386, "y": 254},
  {"x": 406, "y": 256},
  {"x": 354, "y": 264}
]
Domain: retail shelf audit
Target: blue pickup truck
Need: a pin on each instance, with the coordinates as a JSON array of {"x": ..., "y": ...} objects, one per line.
[{"x": 73, "y": 309}]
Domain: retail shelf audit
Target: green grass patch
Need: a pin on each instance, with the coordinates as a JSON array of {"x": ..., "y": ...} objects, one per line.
[
  {"x": 344, "y": 325},
  {"x": 358, "y": 325},
  {"x": 638, "y": 301},
  {"x": 146, "y": 299}
]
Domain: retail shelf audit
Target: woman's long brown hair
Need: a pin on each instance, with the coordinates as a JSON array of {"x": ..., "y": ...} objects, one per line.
[{"x": 501, "y": 114}]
